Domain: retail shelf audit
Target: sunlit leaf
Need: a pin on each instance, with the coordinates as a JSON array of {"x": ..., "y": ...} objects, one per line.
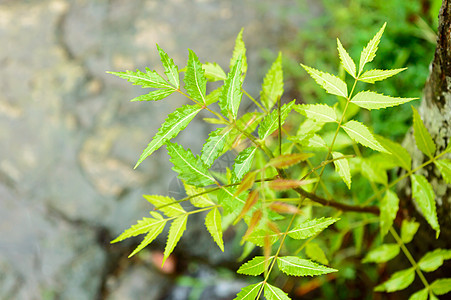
[
  {"x": 256, "y": 266},
  {"x": 231, "y": 95},
  {"x": 389, "y": 207},
  {"x": 424, "y": 196},
  {"x": 249, "y": 292},
  {"x": 346, "y": 61},
  {"x": 342, "y": 168},
  {"x": 200, "y": 201},
  {"x": 295, "y": 266},
  {"x": 142, "y": 226},
  {"x": 318, "y": 112},
  {"x": 441, "y": 286},
  {"x": 372, "y": 100},
  {"x": 360, "y": 134},
  {"x": 444, "y": 166},
  {"x": 170, "y": 69},
  {"x": 154, "y": 95},
  {"x": 243, "y": 162},
  {"x": 408, "y": 230},
  {"x": 195, "y": 81},
  {"x": 168, "y": 205},
  {"x": 310, "y": 228},
  {"x": 213, "y": 223},
  {"x": 213, "y": 71},
  {"x": 372, "y": 76},
  {"x": 398, "y": 281},
  {"x": 422, "y": 137},
  {"x": 239, "y": 49},
  {"x": 271, "y": 121},
  {"x": 332, "y": 84},
  {"x": 272, "y": 88},
  {"x": 432, "y": 260},
  {"x": 369, "y": 52},
  {"x": 274, "y": 293},
  {"x": 214, "y": 145},
  {"x": 382, "y": 253},
  {"x": 420, "y": 295},
  {"x": 149, "y": 79},
  {"x": 176, "y": 230}
]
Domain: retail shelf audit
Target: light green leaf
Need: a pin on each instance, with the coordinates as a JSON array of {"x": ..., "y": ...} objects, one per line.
[
  {"x": 382, "y": 253},
  {"x": 274, "y": 293},
  {"x": 314, "y": 252},
  {"x": 372, "y": 76},
  {"x": 195, "y": 81},
  {"x": 315, "y": 143},
  {"x": 361, "y": 134},
  {"x": 295, "y": 266},
  {"x": 318, "y": 112},
  {"x": 190, "y": 168},
  {"x": 213, "y": 71},
  {"x": 214, "y": 95},
  {"x": 142, "y": 226},
  {"x": 214, "y": 145},
  {"x": 424, "y": 196},
  {"x": 398, "y": 281},
  {"x": 239, "y": 49},
  {"x": 256, "y": 266},
  {"x": 346, "y": 61},
  {"x": 153, "y": 233},
  {"x": 243, "y": 162},
  {"x": 432, "y": 260},
  {"x": 176, "y": 230},
  {"x": 342, "y": 168},
  {"x": 408, "y": 230},
  {"x": 422, "y": 137},
  {"x": 398, "y": 154},
  {"x": 170, "y": 69},
  {"x": 310, "y": 228},
  {"x": 174, "y": 123},
  {"x": 200, "y": 201},
  {"x": 213, "y": 223},
  {"x": 232, "y": 204},
  {"x": 441, "y": 286},
  {"x": 249, "y": 292},
  {"x": 271, "y": 121},
  {"x": 168, "y": 205},
  {"x": 389, "y": 207},
  {"x": 332, "y": 84},
  {"x": 371, "y": 169},
  {"x": 258, "y": 237},
  {"x": 272, "y": 88},
  {"x": 372, "y": 100},
  {"x": 154, "y": 95},
  {"x": 444, "y": 166},
  {"x": 369, "y": 52},
  {"x": 231, "y": 95},
  {"x": 420, "y": 295},
  {"x": 150, "y": 79}
]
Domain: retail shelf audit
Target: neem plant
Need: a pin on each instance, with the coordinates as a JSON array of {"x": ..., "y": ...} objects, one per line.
[{"x": 278, "y": 176}]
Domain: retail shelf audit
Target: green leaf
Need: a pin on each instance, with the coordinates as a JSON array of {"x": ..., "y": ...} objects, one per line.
[
  {"x": 214, "y": 145},
  {"x": 432, "y": 260},
  {"x": 346, "y": 61},
  {"x": 441, "y": 286},
  {"x": 422, "y": 137},
  {"x": 176, "y": 230},
  {"x": 389, "y": 207},
  {"x": 168, "y": 205},
  {"x": 382, "y": 253},
  {"x": 200, "y": 201},
  {"x": 256, "y": 266},
  {"x": 153, "y": 233},
  {"x": 372, "y": 76},
  {"x": 318, "y": 112},
  {"x": 424, "y": 196},
  {"x": 315, "y": 143},
  {"x": 408, "y": 230},
  {"x": 444, "y": 166},
  {"x": 310, "y": 228},
  {"x": 342, "y": 168},
  {"x": 361, "y": 134},
  {"x": 239, "y": 50},
  {"x": 214, "y": 95},
  {"x": 369, "y": 52},
  {"x": 398, "y": 281},
  {"x": 420, "y": 295},
  {"x": 195, "y": 81},
  {"x": 295, "y": 266},
  {"x": 332, "y": 84},
  {"x": 174, "y": 123},
  {"x": 398, "y": 154},
  {"x": 272, "y": 88},
  {"x": 150, "y": 79},
  {"x": 372, "y": 169},
  {"x": 231, "y": 95},
  {"x": 213, "y": 223},
  {"x": 271, "y": 121},
  {"x": 142, "y": 226},
  {"x": 154, "y": 95},
  {"x": 190, "y": 168},
  {"x": 372, "y": 100},
  {"x": 249, "y": 292},
  {"x": 314, "y": 252},
  {"x": 274, "y": 293},
  {"x": 243, "y": 163},
  {"x": 170, "y": 69},
  {"x": 258, "y": 237},
  {"x": 213, "y": 72}
]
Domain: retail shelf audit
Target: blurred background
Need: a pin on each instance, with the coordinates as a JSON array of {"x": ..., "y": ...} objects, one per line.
[{"x": 69, "y": 137}]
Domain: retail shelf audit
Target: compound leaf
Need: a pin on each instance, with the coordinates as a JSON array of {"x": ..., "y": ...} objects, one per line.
[
  {"x": 372, "y": 100},
  {"x": 342, "y": 168},
  {"x": 444, "y": 166},
  {"x": 214, "y": 145},
  {"x": 243, "y": 162},
  {"x": 271, "y": 121},
  {"x": 432, "y": 260},
  {"x": 310, "y": 228},
  {"x": 249, "y": 292},
  {"x": 168, "y": 205},
  {"x": 398, "y": 281},
  {"x": 231, "y": 94},
  {"x": 361, "y": 134},
  {"x": 272, "y": 88},
  {"x": 372, "y": 76},
  {"x": 256, "y": 266},
  {"x": 382, "y": 253},
  {"x": 332, "y": 84},
  {"x": 213, "y": 72},
  {"x": 422, "y": 137},
  {"x": 346, "y": 60},
  {"x": 441, "y": 286},
  {"x": 318, "y": 112},
  {"x": 389, "y": 207},
  {"x": 195, "y": 81},
  {"x": 295, "y": 266},
  {"x": 274, "y": 293},
  {"x": 369, "y": 52},
  {"x": 176, "y": 230},
  {"x": 170, "y": 69},
  {"x": 424, "y": 196},
  {"x": 149, "y": 79}
]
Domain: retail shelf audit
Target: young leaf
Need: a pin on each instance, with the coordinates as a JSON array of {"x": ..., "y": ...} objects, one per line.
[
  {"x": 389, "y": 207},
  {"x": 142, "y": 226},
  {"x": 372, "y": 100},
  {"x": 420, "y": 295},
  {"x": 168, "y": 205},
  {"x": 171, "y": 70},
  {"x": 176, "y": 230},
  {"x": 243, "y": 162},
  {"x": 288, "y": 160},
  {"x": 271, "y": 121},
  {"x": 369, "y": 52},
  {"x": 346, "y": 61},
  {"x": 190, "y": 168},
  {"x": 424, "y": 196},
  {"x": 154, "y": 95},
  {"x": 255, "y": 267},
  {"x": 314, "y": 252},
  {"x": 274, "y": 293},
  {"x": 441, "y": 286},
  {"x": 214, "y": 145},
  {"x": 174, "y": 123},
  {"x": 213, "y": 223},
  {"x": 249, "y": 292},
  {"x": 310, "y": 228},
  {"x": 287, "y": 184},
  {"x": 398, "y": 154},
  {"x": 408, "y": 230},
  {"x": 332, "y": 84},
  {"x": 200, "y": 201},
  {"x": 295, "y": 266},
  {"x": 398, "y": 281},
  {"x": 422, "y": 137},
  {"x": 240, "y": 49},
  {"x": 213, "y": 72},
  {"x": 246, "y": 183},
  {"x": 342, "y": 168},
  {"x": 444, "y": 166},
  {"x": 251, "y": 200},
  {"x": 372, "y": 76},
  {"x": 153, "y": 233},
  {"x": 432, "y": 260},
  {"x": 272, "y": 88},
  {"x": 382, "y": 253},
  {"x": 318, "y": 112},
  {"x": 195, "y": 82},
  {"x": 360, "y": 134},
  {"x": 231, "y": 95},
  {"x": 150, "y": 79}
]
